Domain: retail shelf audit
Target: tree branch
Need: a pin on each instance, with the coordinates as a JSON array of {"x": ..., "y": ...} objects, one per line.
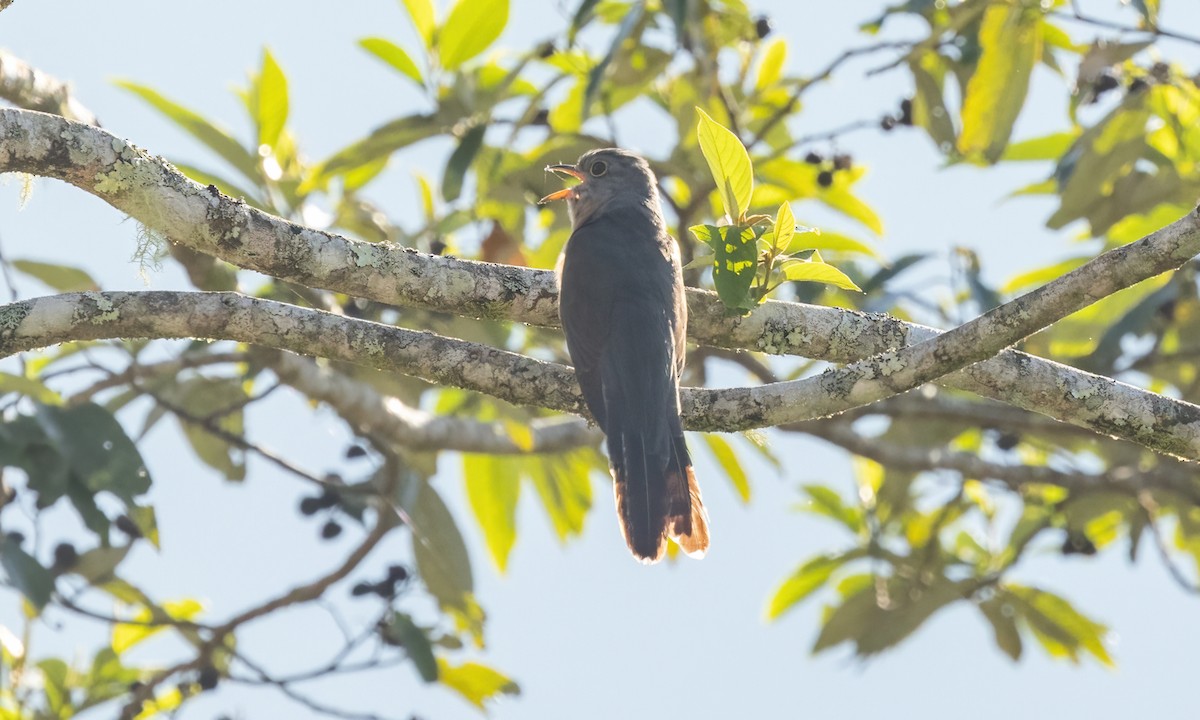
[
  {"x": 372, "y": 413},
  {"x": 27, "y": 87},
  {"x": 1130, "y": 480},
  {"x": 446, "y": 361},
  {"x": 155, "y": 193}
]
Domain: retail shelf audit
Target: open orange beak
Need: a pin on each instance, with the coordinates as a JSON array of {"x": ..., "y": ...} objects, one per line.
[{"x": 565, "y": 192}]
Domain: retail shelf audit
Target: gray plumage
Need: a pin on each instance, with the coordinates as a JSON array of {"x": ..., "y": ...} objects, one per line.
[{"x": 623, "y": 312}]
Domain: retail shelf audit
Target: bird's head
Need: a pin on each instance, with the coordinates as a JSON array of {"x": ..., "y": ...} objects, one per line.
[{"x": 609, "y": 179}]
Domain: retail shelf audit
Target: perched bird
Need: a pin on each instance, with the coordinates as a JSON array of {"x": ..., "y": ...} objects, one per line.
[{"x": 623, "y": 311}]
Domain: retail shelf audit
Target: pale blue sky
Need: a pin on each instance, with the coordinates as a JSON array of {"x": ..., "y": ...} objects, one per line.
[{"x": 588, "y": 633}]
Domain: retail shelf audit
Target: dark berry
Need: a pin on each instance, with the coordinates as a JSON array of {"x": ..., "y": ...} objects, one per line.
[
  {"x": 437, "y": 247},
  {"x": 1007, "y": 441},
  {"x": 397, "y": 573},
  {"x": 763, "y": 26},
  {"x": 355, "y": 451},
  {"x": 842, "y": 161},
  {"x": 1137, "y": 85},
  {"x": 310, "y": 505},
  {"x": 542, "y": 118},
  {"x": 209, "y": 677},
  {"x": 546, "y": 50},
  {"x": 906, "y": 112},
  {"x": 65, "y": 556},
  {"x": 1161, "y": 72},
  {"x": 1166, "y": 311},
  {"x": 825, "y": 178},
  {"x": 814, "y": 158},
  {"x": 362, "y": 588},
  {"x": 328, "y": 498},
  {"x": 330, "y": 530},
  {"x": 888, "y": 123},
  {"x": 1106, "y": 82},
  {"x": 126, "y": 525},
  {"x": 1078, "y": 544}
]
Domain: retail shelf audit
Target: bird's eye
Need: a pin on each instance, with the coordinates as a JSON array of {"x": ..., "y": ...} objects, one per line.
[{"x": 599, "y": 168}]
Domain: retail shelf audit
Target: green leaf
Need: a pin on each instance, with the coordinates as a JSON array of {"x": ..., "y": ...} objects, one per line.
[
  {"x": 1061, "y": 629},
  {"x": 472, "y": 26},
  {"x": 583, "y": 14},
  {"x": 126, "y": 635},
  {"x": 785, "y": 228},
  {"x": 402, "y": 630},
  {"x": 596, "y": 75},
  {"x": 393, "y": 55},
  {"x": 563, "y": 483},
  {"x": 214, "y": 137},
  {"x": 421, "y": 14},
  {"x": 376, "y": 147},
  {"x": 438, "y": 547},
  {"x": 55, "y": 673},
  {"x": 1010, "y": 38},
  {"x": 825, "y": 501},
  {"x": 729, "y": 164},
  {"x": 813, "y": 271},
  {"x": 929, "y": 104},
  {"x": 96, "y": 447},
  {"x": 1002, "y": 617},
  {"x": 271, "y": 111},
  {"x": 476, "y": 683},
  {"x": 208, "y": 401},
  {"x": 831, "y": 242},
  {"x": 29, "y": 387},
  {"x": 493, "y": 486},
  {"x": 60, "y": 277},
  {"x": 807, "y": 579},
  {"x": 772, "y": 63},
  {"x": 97, "y": 566},
  {"x": 24, "y": 573},
  {"x": 728, "y": 460},
  {"x": 460, "y": 161},
  {"x": 1046, "y": 147},
  {"x": 735, "y": 262},
  {"x": 1149, "y": 10}
]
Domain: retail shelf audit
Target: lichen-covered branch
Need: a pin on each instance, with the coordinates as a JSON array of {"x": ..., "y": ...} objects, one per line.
[
  {"x": 1130, "y": 480},
  {"x": 893, "y": 372},
  {"x": 200, "y": 218},
  {"x": 374, "y": 414},
  {"x": 27, "y": 87},
  {"x": 39, "y": 322}
]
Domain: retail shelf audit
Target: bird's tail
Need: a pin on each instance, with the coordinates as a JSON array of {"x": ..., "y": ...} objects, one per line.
[{"x": 656, "y": 502}]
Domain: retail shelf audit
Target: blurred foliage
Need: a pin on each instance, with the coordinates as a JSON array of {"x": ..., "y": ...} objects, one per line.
[{"x": 714, "y": 77}]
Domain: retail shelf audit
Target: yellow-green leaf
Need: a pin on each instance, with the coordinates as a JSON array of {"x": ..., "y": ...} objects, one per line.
[
  {"x": 472, "y": 26},
  {"x": 771, "y": 66},
  {"x": 215, "y": 137},
  {"x": 811, "y": 271},
  {"x": 272, "y": 110},
  {"x": 393, "y": 55},
  {"x": 807, "y": 579},
  {"x": 1010, "y": 38},
  {"x": 728, "y": 460},
  {"x": 729, "y": 163},
  {"x": 421, "y": 14},
  {"x": 474, "y": 682},
  {"x": 785, "y": 228},
  {"x": 493, "y": 486},
  {"x": 59, "y": 277}
]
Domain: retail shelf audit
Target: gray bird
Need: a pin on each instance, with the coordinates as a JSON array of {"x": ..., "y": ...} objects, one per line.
[{"x": 623, "y": 311}]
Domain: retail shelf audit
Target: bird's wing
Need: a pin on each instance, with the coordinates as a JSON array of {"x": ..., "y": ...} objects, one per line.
[{"x": 585, "y": 306}]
